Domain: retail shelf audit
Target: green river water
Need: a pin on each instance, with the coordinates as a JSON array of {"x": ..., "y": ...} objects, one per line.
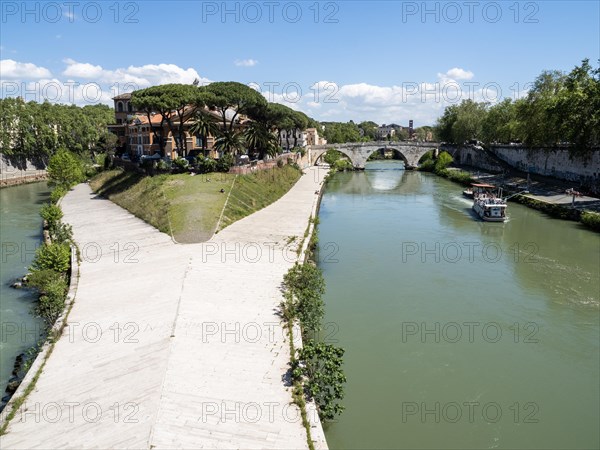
[
  {"x": 21, "y": 233},
  {"x": 458, "y": 333}
]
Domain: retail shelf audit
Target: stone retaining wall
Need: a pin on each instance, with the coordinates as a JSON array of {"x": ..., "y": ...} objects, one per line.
[
  {"x": 15, "y": 171},
  {"x": 555, "y": 163}
]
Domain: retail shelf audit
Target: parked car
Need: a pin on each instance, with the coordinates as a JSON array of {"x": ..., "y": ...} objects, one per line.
[
  {"x": 155, "y": 157},
  {"x": 243, "y": 160}
]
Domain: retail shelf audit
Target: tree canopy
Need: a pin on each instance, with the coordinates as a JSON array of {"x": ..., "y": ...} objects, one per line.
[
  {"x": 171, "y": 101},
  {"x": 233, "y": 98},
  {"x": 560, "y": 109},
  {"x": 38, "y": 130}
]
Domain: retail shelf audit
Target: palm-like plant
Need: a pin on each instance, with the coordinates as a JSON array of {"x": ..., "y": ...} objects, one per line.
[
  {"x": 259, "y": 138},
  {"x": 204, "y": 124},
  {"x": 230, "y": 142}
]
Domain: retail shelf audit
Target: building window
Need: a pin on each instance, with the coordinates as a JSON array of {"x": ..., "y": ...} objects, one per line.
[
  {"x": 120, "y": 107},
  {"x": 119, "y": 121},
  {"x": 198, "y": 141},
  {"x": 129, "y": 108}
]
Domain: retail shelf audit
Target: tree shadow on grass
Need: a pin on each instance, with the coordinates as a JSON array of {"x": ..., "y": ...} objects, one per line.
[{"x": 118, "y": 184}]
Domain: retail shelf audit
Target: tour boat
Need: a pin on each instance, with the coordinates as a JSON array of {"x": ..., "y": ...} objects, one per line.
[
  {"x": 476, "y": 188},
  {"x": 487, "y": 205}
]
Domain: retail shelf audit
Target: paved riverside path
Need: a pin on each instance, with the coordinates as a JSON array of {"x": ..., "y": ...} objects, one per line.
[{"x": 168, "y": 345}]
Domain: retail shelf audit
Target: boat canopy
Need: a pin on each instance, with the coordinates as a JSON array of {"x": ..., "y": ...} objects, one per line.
[{"x": 482, "y": 185}]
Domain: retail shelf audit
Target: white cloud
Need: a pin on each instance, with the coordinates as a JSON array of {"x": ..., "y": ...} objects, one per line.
[
  {"x": 14, "y": 70},
  {"x": 137, "y": 76},
  {"x": 457, "y": 73},
  {"x": 422, "y": 102},
  {"x": 84, "y": 83},
  {"x": 245, "y": 62},
  {"x": 82, "y": 70}
]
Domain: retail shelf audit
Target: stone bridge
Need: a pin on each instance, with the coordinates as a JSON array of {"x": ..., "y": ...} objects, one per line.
[{"x": 359, "y": 152}]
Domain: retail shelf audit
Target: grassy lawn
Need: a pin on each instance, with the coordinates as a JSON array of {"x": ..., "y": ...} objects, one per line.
[
  {"x": 190, "y": 206},
  {"x": 253, "y": 192}
]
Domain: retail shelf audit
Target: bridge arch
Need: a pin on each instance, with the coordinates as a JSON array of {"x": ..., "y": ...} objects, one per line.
[
  {"x": 396, "y": 150},
  {"x": 318, "y": 156}
]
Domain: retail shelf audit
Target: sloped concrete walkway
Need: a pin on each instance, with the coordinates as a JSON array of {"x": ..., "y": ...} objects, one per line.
[{"x": 172, "y": 346}]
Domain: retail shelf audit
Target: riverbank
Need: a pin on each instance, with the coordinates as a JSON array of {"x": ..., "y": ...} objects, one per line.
[
  {"x": 23, "y": 179},
  {"x": 173, "y": 345},
  {"x": 543, "y": 194},
  {"x": 15, "y": 171}
]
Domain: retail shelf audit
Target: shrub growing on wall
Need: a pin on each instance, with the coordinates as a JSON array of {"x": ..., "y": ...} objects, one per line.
[{"x": 55, "y": 256}]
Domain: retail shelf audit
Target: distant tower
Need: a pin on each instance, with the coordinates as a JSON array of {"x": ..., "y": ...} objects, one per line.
[{"x": 410, "y": 128}]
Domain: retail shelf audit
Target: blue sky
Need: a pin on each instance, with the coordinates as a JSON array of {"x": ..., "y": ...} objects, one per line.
[{"x": 386, "y": 61}]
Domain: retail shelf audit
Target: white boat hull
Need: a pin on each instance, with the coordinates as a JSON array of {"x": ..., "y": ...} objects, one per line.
[{"x": 489, "y": 217}]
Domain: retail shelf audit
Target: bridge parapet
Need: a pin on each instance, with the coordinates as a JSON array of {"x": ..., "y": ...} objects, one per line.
[{"x": 358, "y": 152}]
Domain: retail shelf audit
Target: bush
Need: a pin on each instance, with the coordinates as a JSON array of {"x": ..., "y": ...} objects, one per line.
[
  {"x": 427, "y": 166},
  {"x": 426, "y": 157},
  {"x": 321, "y": 364},
  {"x": 460, "y": 176},
  {"x": 62, "y": 233},
  {"x": 225, "y": 162},
  {"x": 343, "y": 164},
  {"x": 331, "y": 157},
  {"x": 591, "y": 220},
  {"x": 307, "y": 285},
  {"x": 51, "y": 214},
  {"x": 65, "y": 169},
  {"x": 55, "y": 256},
  {"x": 58, "y": 193},
  {"x": 181, "y": 163},
  {"x": 100, "y": 159},
  {"x": 206, "y": 165},
  {"x": 52, "y": 301},
  {"x": 443, "y": 161},
  {"x": 40, "y": 279},
  {"x": 280, "y": 163}
]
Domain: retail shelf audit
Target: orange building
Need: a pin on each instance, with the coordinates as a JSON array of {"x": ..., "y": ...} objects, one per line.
[{"x": 138, "y": 136}]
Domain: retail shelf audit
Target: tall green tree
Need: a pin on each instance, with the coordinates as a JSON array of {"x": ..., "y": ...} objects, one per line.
[
  {"x": 230, "y": 142},
  {"x": 261, "y": 139},
  {"x": 539, "y": 125},
  {"x": 231, "y": 99},
  {"x": 500, "y": 124},
  {"x": 577, "y": 108},
  {"x": 65, "y": 169},
  {"x": 204, "y": 124}
]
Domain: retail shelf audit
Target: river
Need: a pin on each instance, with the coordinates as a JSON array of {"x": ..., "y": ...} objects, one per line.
[
  {"x": 21, "y": 227},
  {"x": 458, "y": 333}
]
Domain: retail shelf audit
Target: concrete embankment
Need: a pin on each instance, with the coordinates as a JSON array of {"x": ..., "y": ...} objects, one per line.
[
  {"x": 173, "y": 345},
  {"x": 555, "y": 165},
  {"x": 15, "y": 171}
]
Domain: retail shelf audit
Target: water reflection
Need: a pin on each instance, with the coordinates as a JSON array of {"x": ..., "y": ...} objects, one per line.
[{"x": 385, "y": 177}]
